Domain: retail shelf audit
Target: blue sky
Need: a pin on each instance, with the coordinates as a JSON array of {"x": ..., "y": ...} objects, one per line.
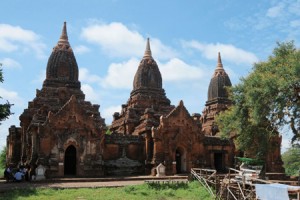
[{"x": 109, "y": 38}]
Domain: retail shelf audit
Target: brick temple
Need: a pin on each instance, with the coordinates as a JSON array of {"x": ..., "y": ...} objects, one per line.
[{"x": 66, "y": 134}]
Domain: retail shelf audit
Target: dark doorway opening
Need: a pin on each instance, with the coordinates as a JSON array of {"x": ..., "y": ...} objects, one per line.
[
  {"x": 178, "y": 161},
  {"x": 70, "y": 161},
  {"x": 218, "y": 160},
  {"x": 151, "y": 144}
]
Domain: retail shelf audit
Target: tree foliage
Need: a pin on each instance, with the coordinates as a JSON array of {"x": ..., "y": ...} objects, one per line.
[
  {"x": 3, "y": 158},
  {"x": 265, "y": 101},
  {"x": 291, "y": 160},
  {"x": 5, "y": 109}
]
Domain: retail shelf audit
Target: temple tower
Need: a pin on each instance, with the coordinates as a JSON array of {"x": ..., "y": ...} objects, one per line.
[
  {"x": 217, "y": 98},
  {"x": 59, "y": 124},
  {"x": 147, "y": 103},
  {"x": 147, "y": 100},
  {"x": 62, "y": 69}
]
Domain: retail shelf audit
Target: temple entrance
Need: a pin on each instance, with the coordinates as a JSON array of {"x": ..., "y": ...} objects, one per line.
[
  {"x": 218, "y": 161},
  {"x": 180, "y": 161},
  {"x": 70, "y": 161}
]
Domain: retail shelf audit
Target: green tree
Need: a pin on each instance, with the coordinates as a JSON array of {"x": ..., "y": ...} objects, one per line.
[
  {"x": 4, "y": 108},
  {"x": 291, "y": 160},
  {"x": 3, "y": 158},
  {"x": 265, "y": 101}
]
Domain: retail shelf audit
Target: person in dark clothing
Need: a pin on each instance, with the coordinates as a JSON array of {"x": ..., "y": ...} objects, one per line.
[
  {"x": 8, "y": 174},
  {"x": 27, "y": 172}
]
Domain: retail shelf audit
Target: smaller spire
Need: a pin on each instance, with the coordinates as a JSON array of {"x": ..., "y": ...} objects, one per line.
[
  {"x": 64, "y": 36},
  {"x": 148, "y": 53},
  {"x": 219, "y": 65}
]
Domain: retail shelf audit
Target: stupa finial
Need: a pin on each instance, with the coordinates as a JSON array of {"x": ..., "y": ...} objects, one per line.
[
  {"x": 64, "y": 36},
  {"x": 219, "y": 64},
  {"x": 148, "y": 50}
]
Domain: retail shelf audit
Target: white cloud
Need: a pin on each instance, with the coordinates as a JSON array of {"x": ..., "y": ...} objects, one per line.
[
  {"x": 228, "y": 52},
  {"x": 86, "y": 76},
  {"x": 115, "y": 39},
  {"x": 120, "y": 75},
  {"x": 108, "y": 112},
  {"x": 10, "y": 63},
  {"x": 15, "y": 38},
  {"x": 12, "y": 97},
  {"x": 275, "y": 11},
  {"x": 81, "y": 49},
  {"x": 177, "y": 70},
  {"x": 90, "y": 94}
]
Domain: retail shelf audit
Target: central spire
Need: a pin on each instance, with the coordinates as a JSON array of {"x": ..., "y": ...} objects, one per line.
[
  {"x": 218, "y": 83},
  {"x": 64, "y": 36},
  {"x": 148, "y": 53},
  {"x": 148, "y": 74}
]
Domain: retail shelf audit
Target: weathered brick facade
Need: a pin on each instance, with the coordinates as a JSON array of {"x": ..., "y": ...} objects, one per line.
[
  {"x": 59, "y": 129},
  {"x": 66, "y": 134}
]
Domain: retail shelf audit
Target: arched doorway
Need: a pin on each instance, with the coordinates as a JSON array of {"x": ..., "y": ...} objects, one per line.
[
  {"x": 70, "y": 160},
  {"x": 180, "y": 160}
]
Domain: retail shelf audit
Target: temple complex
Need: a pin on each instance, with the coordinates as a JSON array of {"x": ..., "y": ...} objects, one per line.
[{"x": 67, "y": 135}]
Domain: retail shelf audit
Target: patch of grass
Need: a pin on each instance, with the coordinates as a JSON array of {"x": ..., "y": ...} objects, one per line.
[{"x": 188, "y": 191}]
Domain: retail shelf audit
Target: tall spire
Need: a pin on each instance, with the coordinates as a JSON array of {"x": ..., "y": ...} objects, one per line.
[
  {"x": 64, "y": 36},
  {"x": 62, "y": 68},
  {"x": 148, "y": 53},
  {"x": 219, "y": 65}
]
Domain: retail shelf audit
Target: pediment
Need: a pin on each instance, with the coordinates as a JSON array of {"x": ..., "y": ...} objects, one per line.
[
  {"x": 76, "y": 114},
  {"x": 179, "y": 113},
  {"x": 68, "y": 111}
]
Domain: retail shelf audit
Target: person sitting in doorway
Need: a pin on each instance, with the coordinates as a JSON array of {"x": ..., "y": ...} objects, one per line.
[
  {"x": 18, "y": 176},
  {"x": 8, "y": 174}
]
